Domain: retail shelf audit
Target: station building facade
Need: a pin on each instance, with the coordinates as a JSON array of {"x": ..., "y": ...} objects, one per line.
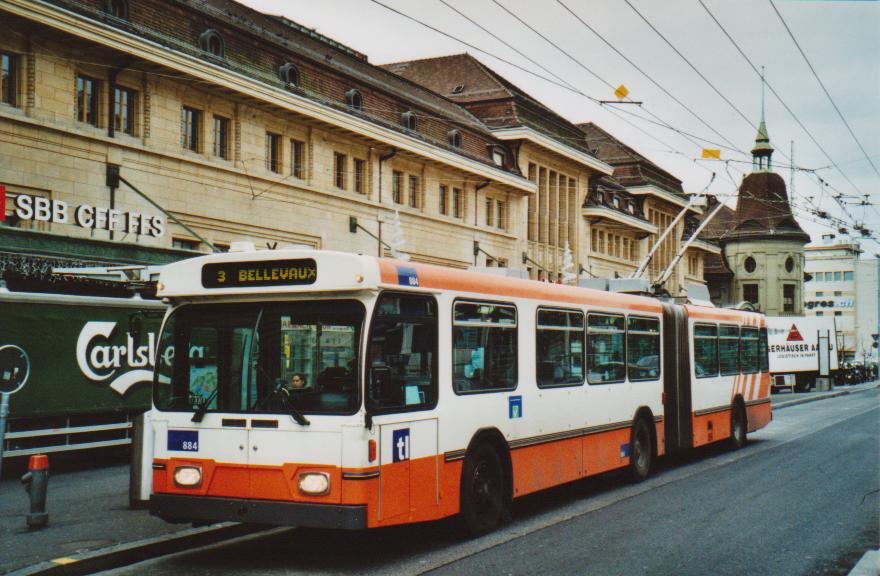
[{"x": 145, "y": 132}]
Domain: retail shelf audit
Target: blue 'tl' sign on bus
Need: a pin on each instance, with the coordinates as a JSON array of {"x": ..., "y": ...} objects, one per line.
[{"x": 400, "y": 445}]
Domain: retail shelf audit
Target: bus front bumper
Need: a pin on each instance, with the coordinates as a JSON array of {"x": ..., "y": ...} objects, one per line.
[{"x": 182, "y": 508}]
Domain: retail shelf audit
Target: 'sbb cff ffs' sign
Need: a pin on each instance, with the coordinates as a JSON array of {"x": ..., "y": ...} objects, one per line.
[{"x": 41, "y": 209}]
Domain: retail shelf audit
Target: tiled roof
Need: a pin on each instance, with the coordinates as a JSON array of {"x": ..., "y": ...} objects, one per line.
[
  {"x": 257, "y": 44},
  {"x": 763, "y": 211},
  {"x": 467, "y": 81},
  {"x": 630, "y": 167}
]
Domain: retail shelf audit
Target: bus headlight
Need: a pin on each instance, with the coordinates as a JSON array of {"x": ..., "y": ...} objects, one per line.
[
  {"x": 314, "y": 483},
  {"x": 188, "y": 476}
]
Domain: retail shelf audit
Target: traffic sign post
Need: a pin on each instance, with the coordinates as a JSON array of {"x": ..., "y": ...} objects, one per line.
[{"x": 15, "y": 367}]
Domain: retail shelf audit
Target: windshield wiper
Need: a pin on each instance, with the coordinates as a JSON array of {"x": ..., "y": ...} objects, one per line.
[
  {"x": 203, "y": 407},
  {"x": 291, "y": 407},
  {"x": 297, "y": 415}
]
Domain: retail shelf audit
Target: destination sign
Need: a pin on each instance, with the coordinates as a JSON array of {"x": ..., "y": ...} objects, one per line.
[{"x": 269, "y": 273}]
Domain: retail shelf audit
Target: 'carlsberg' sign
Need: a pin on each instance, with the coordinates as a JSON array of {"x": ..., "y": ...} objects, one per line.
[
  {"x": 126, "y": 364},
  {"x": 87, "y": 216}
]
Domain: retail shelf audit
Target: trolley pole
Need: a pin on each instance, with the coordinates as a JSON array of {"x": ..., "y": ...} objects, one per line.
[{"x": 4, "y": 412}]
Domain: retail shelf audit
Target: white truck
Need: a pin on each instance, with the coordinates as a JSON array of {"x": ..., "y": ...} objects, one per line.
[{"x": 793, "y": 346}]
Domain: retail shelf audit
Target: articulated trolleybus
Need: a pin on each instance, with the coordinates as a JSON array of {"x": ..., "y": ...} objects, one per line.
[{"x": 315, "y": 388}]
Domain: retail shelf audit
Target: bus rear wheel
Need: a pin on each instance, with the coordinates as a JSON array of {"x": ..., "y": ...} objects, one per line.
[
  {"x": 640, "y": 450},
  {"x": 482, "y": 490},
  {"x": 737, "y": 427}
]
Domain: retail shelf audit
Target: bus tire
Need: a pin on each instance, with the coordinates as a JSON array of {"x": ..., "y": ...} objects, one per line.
[
  {"x": 482, "y": 490},
  {"x": 641, "y": 450},
  {"x": 738, "y": 426}
]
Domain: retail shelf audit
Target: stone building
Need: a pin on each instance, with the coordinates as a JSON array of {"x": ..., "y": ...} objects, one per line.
[
  {"x": 144, "y": 132},
  {"x": 185, "y": 126},
  {"x": 842, "y": 285},
  {"x": 546, "y": 148},
  {"x": 608, "y": 210},
  {"x": 654, "y": 196},
  {"x": 762, "y": 259}
]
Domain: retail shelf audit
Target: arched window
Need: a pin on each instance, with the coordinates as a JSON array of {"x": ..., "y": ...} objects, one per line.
[
  {"x": 454, "y": 138},
  {"x": 354, "y": 100},
  {"x": 117, "y": 8},
  {"x": 211, "y": 42},
  {"x": 289, "y": 74},
  {"x": 409, "y": 121}
]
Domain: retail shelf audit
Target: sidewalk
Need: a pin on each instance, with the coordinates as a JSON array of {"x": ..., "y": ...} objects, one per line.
[
  {"x": 88, "y": 511},
  {"x": 784, "y": 398},
  {"x": 91, "y": 526}
]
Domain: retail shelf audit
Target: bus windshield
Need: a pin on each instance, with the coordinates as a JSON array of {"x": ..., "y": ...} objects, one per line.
[{"x": 261, "y": 358}]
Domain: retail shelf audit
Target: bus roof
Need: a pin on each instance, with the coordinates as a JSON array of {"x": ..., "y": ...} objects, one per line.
[{"x": 289, "y": 271}]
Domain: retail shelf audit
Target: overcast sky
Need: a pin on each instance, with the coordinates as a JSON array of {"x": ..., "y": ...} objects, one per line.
[{"x": 841, "y": 39}]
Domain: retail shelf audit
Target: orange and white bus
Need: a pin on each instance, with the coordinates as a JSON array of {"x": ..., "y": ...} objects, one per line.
[{"x": 316, "y": 388}]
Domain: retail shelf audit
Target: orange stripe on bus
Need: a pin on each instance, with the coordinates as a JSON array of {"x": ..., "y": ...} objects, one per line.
[{"x": 443, "y": 278}]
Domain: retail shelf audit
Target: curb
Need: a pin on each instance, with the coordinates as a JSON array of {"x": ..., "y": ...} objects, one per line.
[
  {"x": 132, "y": 552},
  {"x": 869, "y": 565},
  {"x": 833, "y": 394}
]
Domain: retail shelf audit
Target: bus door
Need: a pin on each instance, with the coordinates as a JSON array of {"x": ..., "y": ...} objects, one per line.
[
  {"x": 408, "y": 473},
  {"x": 401, "y": 387},
  {"x": 676, "y": 379}
]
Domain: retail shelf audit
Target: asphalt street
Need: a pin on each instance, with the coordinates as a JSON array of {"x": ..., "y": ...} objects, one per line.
[{"x": 801, "y": 498}]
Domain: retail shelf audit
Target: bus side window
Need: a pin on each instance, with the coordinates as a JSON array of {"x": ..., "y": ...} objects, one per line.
[
  {"x": 705, "y": 350},
  {"x": 643, "y": 348},
  {"x": 402, "y": 354},
  {"x": 606, "y": 348},
  {"x": 559, "y": 348},
  {"x": 763, "y": 358},
  {"x": 484, "y": 347},
  {"x": 748, "y": 350},
  {"x": 728, "y": 349}
]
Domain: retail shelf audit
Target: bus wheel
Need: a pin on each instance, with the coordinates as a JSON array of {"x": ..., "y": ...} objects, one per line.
[
  {"x": 482, "y": 490},
  {"x": 737, "y": 427},
  {"x": 640, "y": 450}
]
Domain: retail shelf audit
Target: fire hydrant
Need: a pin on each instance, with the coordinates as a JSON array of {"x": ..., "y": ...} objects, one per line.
[{"x": 36, "y": 482}]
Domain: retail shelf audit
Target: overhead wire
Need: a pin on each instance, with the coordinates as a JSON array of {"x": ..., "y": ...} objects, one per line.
[{"x": 822, "y": 84}]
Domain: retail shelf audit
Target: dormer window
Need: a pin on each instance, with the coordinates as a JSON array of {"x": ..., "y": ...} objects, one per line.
[
  {"x": 409, "y": 120},
  {"x": 289, "y": 74},
  {"x": 454, "y": 138},
  {"x": 211, "y": 42},
  {"x": 498, "y": 155},
  {"x": 615, "y": 201},
  {"x": 631, "y": 207},
  {"x": 117, "y": 9},
  {"x": 354, "y": 100}
]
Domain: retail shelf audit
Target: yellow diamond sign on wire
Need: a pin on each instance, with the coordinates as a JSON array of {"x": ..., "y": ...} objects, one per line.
[{"x": 621, "y": 92}]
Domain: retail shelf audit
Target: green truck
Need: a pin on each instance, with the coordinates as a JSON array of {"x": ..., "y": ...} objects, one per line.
[{"x": 91, "y": 362}]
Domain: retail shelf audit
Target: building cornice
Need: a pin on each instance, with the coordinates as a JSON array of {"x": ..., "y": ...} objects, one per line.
[
  {"x": 620, "y": 217},
  {"x": 662, "y": 194},
  {"x": 705, "y": 246},
  {"x": 83, "y": 27},
  {"x": 526, "y": 133}
]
